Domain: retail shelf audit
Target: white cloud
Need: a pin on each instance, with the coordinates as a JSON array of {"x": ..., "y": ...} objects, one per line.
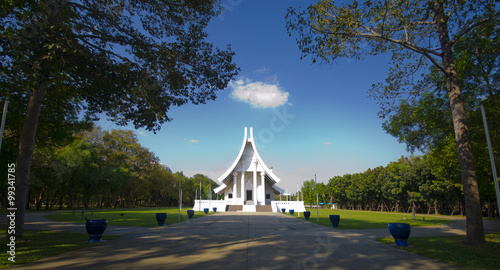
[
  {"x": 194, "y": 141},
  {"x": 328, "y": 143},
  {"x": 262, "y": 70},
  {"x": 259, "y": 94},
  {"x": 142, "y": 133}
]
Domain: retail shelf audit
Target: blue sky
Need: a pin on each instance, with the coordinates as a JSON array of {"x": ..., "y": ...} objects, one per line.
[{"x": 307, "y": 118}]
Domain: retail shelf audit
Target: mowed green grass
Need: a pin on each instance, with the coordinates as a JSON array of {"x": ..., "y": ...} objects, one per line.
[
  {"x": 350, "y": 219},
  {"x": 145, "y": 217},
  {"x": 451, "y": 249},
  {"x": 41, "y": 244}
]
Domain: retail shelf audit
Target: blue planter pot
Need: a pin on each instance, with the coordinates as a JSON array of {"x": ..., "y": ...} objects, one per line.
[
  {"x": 283, "y": 210},
  {"x": 215, "y": 209},
  {"x": 161, "y": 217},
  {"x": 307, "y": 214},
  {"x": 95, "y": 229},
  {"x": 400, "y": 232},
  {"x": 190, "y": 213},
  {"x": 334, "y": 219},
  {"x": 205, "y": 210},
  {"x": 291, "y": 211}
]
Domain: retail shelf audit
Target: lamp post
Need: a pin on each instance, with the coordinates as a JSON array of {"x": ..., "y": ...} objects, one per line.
[
  {"x": 199, "y": 205},
  {"x": 298, "y": 199},
  {"x": 4, "y": 117},
  {"x": 490, "y": 149},
  {"x": 317, "y": 206},
  {"x": 180, "y": 197}
]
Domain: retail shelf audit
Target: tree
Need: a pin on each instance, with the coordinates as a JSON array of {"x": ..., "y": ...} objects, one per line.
[
  {"x": 416, "y": 33},
  {"x": 129, "y": 59},
  {"x": 308, "y": 192},
  {"x": 425, "y": 123}
]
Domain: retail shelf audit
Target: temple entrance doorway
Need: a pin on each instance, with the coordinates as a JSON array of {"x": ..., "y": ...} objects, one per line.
[{"x": 249, "y": 195}]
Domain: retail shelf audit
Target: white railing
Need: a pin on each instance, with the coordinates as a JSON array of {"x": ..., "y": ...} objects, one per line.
[
  {"x": 297, "y": 206},
  {"x": 210, "y": 204}
]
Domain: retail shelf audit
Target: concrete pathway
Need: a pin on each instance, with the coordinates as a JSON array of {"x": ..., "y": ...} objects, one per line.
[{"x": 239, "y": 241}]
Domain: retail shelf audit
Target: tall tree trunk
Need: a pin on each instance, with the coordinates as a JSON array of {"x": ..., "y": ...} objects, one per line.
[
  {"x": 474, "y": 221},
  {"x": 26, "y": 146},
  {"x": 60, "y": 202}
]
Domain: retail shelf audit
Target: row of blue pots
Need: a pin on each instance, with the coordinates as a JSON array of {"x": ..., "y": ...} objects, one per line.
[
  {"x": 96, "y": 227},
  {"x": 307, "y": 214},
  {"x": 399, "y": 231},
  {"x": 206, "y": 210},
  {"x": 191, "y": 212},
  {"x": 291, "y": 211}
]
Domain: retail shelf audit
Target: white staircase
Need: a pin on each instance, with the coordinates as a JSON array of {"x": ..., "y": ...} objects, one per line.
[{"x": 249, "y": 208}]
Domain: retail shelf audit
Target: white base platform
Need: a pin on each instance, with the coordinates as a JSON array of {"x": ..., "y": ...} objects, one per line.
[{"x": 249, "y": 208}]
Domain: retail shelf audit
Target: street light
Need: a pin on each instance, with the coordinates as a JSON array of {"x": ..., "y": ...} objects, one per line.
[
  {"x": 180, "y": 197},
  {"x": 317, "y": 206},
  {"x": 4, "y": 117},
  {"x": 490, "y": 149}
]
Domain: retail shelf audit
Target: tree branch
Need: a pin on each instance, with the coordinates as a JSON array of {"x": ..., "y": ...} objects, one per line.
[
  {"x": 474, "y": 25},
  {"x": 106, "y": 51}
]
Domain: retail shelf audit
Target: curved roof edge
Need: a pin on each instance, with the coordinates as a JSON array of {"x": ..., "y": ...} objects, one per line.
[
  {"x": 266, "y": 169},
  {"x": 235, "y": 162},
  {"x": 248, "y": 137},
  {"x": 220, "y": 188}
]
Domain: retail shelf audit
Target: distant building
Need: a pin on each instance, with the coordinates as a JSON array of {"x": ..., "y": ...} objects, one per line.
[
  {"x": 248, "y": 181},
  {"x": 248, "y": 185}
]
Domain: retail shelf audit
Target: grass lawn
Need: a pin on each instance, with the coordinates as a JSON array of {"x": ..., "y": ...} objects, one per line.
[
  {"x": 139, "y": 217},
  {"x": 451, "y": 250},
  {"x": 40, "y": 244},
  {"x": 370, "y": 220}
]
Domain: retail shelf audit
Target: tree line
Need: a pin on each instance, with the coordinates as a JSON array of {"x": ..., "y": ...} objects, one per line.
[
  {"x": 64, "y": 60},
  {"x": 444, "y": 58},
  {"x": 416, "y": 183},
  {"x": 104, "y": 169}
]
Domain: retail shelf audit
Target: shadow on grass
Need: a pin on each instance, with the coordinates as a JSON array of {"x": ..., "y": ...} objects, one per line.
[
  {"x": 451, "y": 249},
  {"x": 122, "y": 217},
  {"x": 372, "y": 220},
  {"x": 42, "y": 244}
]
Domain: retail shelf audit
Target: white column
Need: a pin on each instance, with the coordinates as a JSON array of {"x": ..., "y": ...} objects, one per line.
[
  {"x": 243, "y": 186},
  {"x": 254, "y": 192},
  {"x": 263, "y": 183},
  {"x": 235, "y": 179}
]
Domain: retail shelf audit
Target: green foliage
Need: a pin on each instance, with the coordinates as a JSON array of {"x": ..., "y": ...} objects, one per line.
[
  {"x": 426, "y": 123},
  {"x": 400, "y": 186},
  {"x": 408, "y": 30},
  {"x": 107, "y": 169},
  {"x": 416, "y": 35},
  {"x": 130, "y": 59},
  {"x": 309, "y": 192}
]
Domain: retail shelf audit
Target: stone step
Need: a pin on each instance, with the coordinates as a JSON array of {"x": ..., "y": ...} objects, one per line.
[
  {"x": 234, "y": 208},
  {"x": 264, "y": 208}
]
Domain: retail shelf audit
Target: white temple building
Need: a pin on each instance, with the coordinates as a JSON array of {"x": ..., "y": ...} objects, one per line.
[{"x": 248, "y": 184}]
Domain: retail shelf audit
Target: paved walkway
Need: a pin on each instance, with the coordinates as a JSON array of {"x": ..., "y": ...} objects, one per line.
[{"x": 240, "y": 241}]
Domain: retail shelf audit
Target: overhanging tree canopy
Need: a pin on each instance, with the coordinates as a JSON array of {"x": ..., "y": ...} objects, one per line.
[
  {"x": 130, "y": 59},
  {"x": 416, "y": 33}
]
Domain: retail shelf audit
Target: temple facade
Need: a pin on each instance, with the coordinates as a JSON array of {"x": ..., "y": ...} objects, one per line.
[
  {"x": 248, "y": 181},
  {"x": 248, "y": 185}
]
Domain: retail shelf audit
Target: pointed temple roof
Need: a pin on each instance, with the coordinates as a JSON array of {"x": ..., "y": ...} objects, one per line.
[{"x": 248, "y": 154}]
